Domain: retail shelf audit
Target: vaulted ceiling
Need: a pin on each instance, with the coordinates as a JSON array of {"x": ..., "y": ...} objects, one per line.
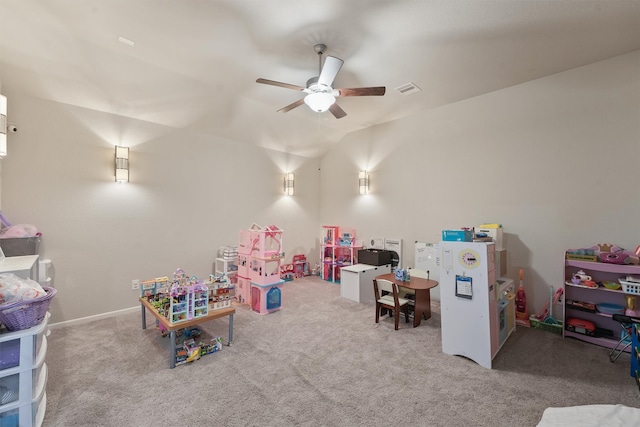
[{"x": 193, "y": 64}]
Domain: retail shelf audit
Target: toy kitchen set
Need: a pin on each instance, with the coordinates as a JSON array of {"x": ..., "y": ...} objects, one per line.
[{"x": 471, "y": 293}]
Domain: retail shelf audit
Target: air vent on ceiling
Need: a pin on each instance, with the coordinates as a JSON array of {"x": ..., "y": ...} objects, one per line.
[{"x": 408, "y": 88}]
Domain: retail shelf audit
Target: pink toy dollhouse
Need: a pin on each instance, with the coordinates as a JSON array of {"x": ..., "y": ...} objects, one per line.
[
  {"x": 179, "y": 307},
  {"x": 259, "y": 261}
]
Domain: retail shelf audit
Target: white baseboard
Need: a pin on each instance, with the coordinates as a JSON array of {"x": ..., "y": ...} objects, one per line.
[{"x": 95, "y": 317}]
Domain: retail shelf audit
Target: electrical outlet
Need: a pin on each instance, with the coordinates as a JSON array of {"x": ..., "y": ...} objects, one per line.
[{"x": 135, "y": 284}]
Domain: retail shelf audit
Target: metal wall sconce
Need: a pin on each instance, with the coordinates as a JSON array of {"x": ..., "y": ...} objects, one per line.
[
  {"x": 3, "y": 126},
  {"x": 122, "y": 164},
  {"x": 363, "y": 182},
  {"x": 288, "y": 184}
]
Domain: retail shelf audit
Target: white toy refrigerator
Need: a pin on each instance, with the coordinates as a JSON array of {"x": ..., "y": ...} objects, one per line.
[{"x": 468, "y": 301}]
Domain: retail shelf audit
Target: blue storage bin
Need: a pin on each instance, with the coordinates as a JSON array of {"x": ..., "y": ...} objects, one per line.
[{"x": 457, "y": 236}]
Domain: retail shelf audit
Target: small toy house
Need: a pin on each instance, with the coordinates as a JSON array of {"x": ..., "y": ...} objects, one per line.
[
  {"x": 300, "y": 266},
  {"x": 179, "y": 303},
  {"x": 152, "y": 287},
  {"x": 221, "y": 292},
  {"x": 198, "y": 300}
]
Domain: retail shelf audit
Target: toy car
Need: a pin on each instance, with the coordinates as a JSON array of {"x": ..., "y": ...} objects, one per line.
[{"x": 581, "y": 326}]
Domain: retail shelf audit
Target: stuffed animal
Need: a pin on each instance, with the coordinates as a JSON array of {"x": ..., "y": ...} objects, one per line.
[{"x": 19, "y": 231}]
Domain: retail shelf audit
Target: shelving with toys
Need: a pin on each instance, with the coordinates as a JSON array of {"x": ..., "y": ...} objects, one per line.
[
  {"x": 221, "y": 292},
  {"x": 594, "y": 290}
]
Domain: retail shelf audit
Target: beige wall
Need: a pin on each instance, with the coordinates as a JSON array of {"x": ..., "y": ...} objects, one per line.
[
  {"x": 189, "y": 194},
  {"x": 554, "y": 160}
]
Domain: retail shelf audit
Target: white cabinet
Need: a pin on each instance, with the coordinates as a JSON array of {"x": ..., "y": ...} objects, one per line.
[
  {"x": 23, "y": 376},
  {"x": 357, "y": 281}
]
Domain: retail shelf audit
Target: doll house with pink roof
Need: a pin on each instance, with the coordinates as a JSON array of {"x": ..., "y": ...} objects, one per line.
[{"x": 260, "y": 253}]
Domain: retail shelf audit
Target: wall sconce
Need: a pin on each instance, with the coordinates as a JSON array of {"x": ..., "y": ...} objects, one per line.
[
  {"x": 363, "y": 182},
  {"x": 122, "y": 164},
  {"x": 3, "y": 126},
  {"x": 288, "y": 184}
]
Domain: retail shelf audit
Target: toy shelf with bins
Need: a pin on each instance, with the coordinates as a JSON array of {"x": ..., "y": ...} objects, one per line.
[
  {"x": 608, "y": 331},
  {"x": 23, "y": 375}
]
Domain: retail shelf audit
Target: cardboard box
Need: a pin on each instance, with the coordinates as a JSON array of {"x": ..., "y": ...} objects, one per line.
[
  {"x": 492, "y": 230},
  {"x": 501, "y": 262}
]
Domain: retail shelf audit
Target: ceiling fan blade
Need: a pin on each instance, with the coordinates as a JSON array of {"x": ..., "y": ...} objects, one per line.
[
  {"x": 362, "y": 91},
  {"x": 280, "y": 84},
  {"x": 337, "y": 111},
  {"x": 291, "y": 106},
  {"x": 329, "y": 70}
]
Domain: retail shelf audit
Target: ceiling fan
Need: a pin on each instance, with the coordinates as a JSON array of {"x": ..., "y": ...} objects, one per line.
[{"x": 321, "y": 96}]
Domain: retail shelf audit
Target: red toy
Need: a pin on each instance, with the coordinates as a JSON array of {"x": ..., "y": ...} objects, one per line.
[{"x": 581, "y": 326}]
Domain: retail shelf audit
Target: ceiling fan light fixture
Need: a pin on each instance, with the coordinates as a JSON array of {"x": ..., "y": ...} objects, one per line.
[{"x": 319, "y": 101}]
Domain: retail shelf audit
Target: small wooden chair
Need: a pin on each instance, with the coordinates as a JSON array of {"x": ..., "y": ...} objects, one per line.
[{"x": 389, "y": 301}]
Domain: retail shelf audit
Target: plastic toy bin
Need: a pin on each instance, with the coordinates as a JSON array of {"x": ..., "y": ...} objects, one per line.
[
  {"x": 14, "y": 351},
  {"x": 10, "y": 385},
  {"x": 20, "y": 246},
  {"x": 31, "y": 413}
]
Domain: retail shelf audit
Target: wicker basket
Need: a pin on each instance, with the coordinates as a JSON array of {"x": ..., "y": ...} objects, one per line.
[
  {"x": 26, "y": 313},
  {"x": 537, "y": 324}
]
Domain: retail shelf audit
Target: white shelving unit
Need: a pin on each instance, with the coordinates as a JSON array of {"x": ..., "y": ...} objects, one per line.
[
  {"x": 23, "y": 375},
  {"x": 227, "y": 266}
]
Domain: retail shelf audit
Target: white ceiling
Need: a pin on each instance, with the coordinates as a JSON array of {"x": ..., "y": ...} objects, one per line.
[{"x": 195, "y": 63}]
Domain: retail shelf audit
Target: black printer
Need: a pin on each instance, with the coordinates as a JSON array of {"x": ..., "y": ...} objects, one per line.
[{"x": 374, "y": 257}]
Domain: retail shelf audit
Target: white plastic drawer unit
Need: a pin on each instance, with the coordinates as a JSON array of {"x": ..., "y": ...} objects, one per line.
[
  {"x": 23, "y": 376},
  {"x": 23, "y": 348}
]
